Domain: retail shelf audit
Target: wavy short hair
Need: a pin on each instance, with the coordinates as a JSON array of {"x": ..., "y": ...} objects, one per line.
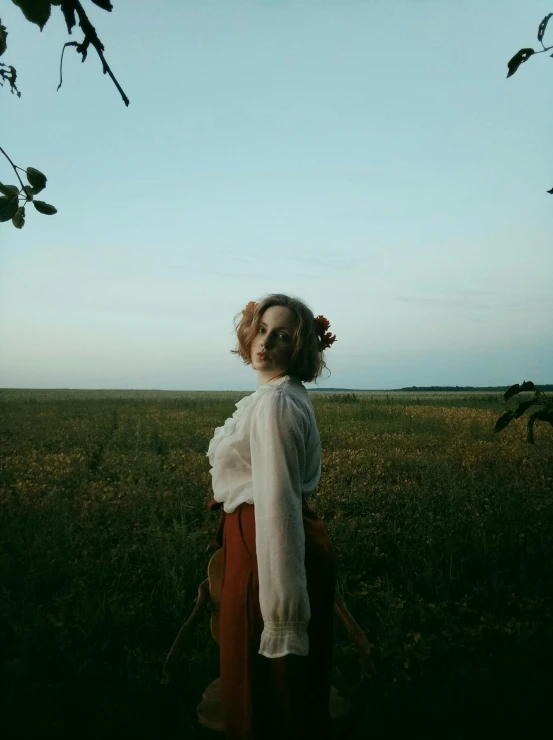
[{"x": 306, "y": 361}]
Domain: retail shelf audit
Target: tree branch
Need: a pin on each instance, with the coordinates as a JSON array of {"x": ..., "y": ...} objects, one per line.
[
  {"x": 14, "y": 168},
  {"x": 91, "y": 37},
  {"x": 10, "y": 77},
  {"x": 69, "y": 43}
]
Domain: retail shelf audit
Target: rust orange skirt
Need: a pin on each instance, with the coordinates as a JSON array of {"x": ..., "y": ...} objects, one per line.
[{"x": 269, "y": 698}]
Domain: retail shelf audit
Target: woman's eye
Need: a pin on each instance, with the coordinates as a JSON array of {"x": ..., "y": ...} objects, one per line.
[{"x": 283, "y": 336}]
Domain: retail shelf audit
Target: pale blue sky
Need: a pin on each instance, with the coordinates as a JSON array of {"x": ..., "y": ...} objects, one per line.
[{"x": 369, "y": 157}]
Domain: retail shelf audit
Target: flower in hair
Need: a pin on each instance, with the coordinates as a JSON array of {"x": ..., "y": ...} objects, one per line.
[
  {"x": 322, "y": 324},
  {"x": 249, "y": 308}
]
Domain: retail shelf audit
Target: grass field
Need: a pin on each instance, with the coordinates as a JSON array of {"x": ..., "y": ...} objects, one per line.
[{"x": 443, "y": 531}]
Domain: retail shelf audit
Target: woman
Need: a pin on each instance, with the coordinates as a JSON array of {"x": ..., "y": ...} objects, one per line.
[{"x": 279, "y": 571}]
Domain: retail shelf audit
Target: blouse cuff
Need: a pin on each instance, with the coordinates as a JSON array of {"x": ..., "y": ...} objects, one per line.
[{"x": 278, "y": 640}]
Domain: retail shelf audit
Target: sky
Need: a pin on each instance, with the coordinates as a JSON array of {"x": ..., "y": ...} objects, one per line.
[{"x": 367, "y": 156}]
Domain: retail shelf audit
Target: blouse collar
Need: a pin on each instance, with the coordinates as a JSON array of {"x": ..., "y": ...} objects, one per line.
[{"x": 280, "y": 381}]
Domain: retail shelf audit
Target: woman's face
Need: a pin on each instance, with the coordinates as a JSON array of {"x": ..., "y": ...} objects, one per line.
[{"x": 274, "y": 339}]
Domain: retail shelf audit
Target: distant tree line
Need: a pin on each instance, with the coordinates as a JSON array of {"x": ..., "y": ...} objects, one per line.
[
  {"x": 430, "y": 389},
  {"x": 448, "y": 388}
]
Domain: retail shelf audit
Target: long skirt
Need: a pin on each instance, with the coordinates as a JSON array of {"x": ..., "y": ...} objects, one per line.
[{"x": 274, "y": 698}]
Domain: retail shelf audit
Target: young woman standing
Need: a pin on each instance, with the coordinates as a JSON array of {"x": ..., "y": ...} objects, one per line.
[{"x": 279, "y": 566}]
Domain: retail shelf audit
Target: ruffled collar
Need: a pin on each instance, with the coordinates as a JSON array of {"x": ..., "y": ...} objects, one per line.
[
  {"x": 279, "y": 381},
  {"x": 230, "y": 424}
]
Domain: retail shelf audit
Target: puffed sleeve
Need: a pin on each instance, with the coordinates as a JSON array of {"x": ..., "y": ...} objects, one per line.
[{"x": 277, "y": 440}]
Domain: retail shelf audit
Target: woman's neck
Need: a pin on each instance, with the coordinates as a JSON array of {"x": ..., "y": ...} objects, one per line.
[{"x": 269, "y": 377}]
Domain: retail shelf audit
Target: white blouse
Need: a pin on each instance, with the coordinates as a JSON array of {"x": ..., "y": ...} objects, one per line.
[{"x": 268, "y": 453}]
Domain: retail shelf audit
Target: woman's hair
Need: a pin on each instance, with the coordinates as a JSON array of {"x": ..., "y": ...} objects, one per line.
[{"x": 306, "y": 361}]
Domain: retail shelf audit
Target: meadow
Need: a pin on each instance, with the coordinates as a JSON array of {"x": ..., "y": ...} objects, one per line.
[{"x": 443, "y": 532}]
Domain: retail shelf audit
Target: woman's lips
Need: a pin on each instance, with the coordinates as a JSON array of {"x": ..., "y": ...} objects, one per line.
[{"x": 262, "y": 355}]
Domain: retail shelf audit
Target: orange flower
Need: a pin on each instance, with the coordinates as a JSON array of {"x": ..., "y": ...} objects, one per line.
[
  {"x": 250, "y": 307},
  {"x": 327, "y": 339},
  {"x": 322, "y": 322}
]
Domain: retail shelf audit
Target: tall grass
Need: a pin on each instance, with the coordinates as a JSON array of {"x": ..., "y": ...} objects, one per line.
[{"x": 442, "y": 531}]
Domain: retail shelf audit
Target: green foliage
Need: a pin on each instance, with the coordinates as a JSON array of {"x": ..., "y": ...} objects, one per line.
[
  {"x": 538, "y": 399},
  {"x": 44, "y": 208},
  {"x": 3, "y": 38},
  {"x": 35, "y": 11},
  {"x": 524, "y": 54},
  {"x": 521, "y": 56},
  {"x": 9, "y": 190},
  {"x": 36, "y": 179},
  {"x": 10, "y": 206},
  {"x": 19, "y": 218},
  {"x": 38, "y": 12},
  {"x": 7, "y": 72}
]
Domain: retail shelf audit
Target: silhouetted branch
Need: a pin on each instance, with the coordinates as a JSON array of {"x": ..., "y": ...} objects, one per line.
[
  {"x": 9, "y": 76},
  {"x": 69, "y": 43},
  {"x": 14, "y": 167},
  {"x": 90, "y": 37}
]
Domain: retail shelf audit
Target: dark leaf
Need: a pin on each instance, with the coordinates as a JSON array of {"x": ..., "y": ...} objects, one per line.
[
  {"x": 36, "y": 11},
  {"x": 8, "y": 207},
  {"x": 28, "y": 191},
  {"x": 45, "y": 208},
  {"x": 9, "y": 190},
  {"x": 543, "y": 26},
  {"x": 527, "y": 385},
  {"x": 9, "y": 74},
  {"x": 520, "y": 57},
  {"x": 68, "y": 11},
  {"x": 503, "y": 420},
  {"x": 524, "y": 406},
  {"x": 19, "y": 219},
  {"x": 36, "y": 180},
  {"x": 104, "y": 4},
  {"x": 551, "y": 191},
  {"x": 514, "y": 389},
  {"x": 3, "y": 39},
  {"x": 542, "y": 415},
  {"x": 547, "y": 415}
]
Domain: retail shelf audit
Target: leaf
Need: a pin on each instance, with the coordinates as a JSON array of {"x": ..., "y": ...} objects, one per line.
[
  {"x": 514, "y": 389},
  {"x": 521, "y": 56},
  {"x": 28, "y": 191},
  {"x": 35, "y": 11},
  {"x": 543, "y": 26},
  {"x": 9, "y": 190},
  {"x": 522, "y": 407},
  {"x": 45, "y": 208},
  {"x": 547, "y": 415},
  {"x": 19, "y": 219},
  {"x": 104, "y": 4},
  {"x": 551, "y": 191},
  {"x": 8, "y": 207},
  {"x": 542, "y": 415},
  {"x": 9, "y": 76},
  {"x": 69, "y": 15},
  {"x": 3, "y": 38},
  {"x": 36, "y": 180},
  {"x": 503, "y": 420}
]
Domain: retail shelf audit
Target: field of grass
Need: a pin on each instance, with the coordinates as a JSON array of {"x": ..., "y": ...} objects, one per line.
[{"x": 443, "y": 531}]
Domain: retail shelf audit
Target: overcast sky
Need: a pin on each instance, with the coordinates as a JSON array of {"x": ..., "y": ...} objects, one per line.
[{"x": 367, "y": 156}]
